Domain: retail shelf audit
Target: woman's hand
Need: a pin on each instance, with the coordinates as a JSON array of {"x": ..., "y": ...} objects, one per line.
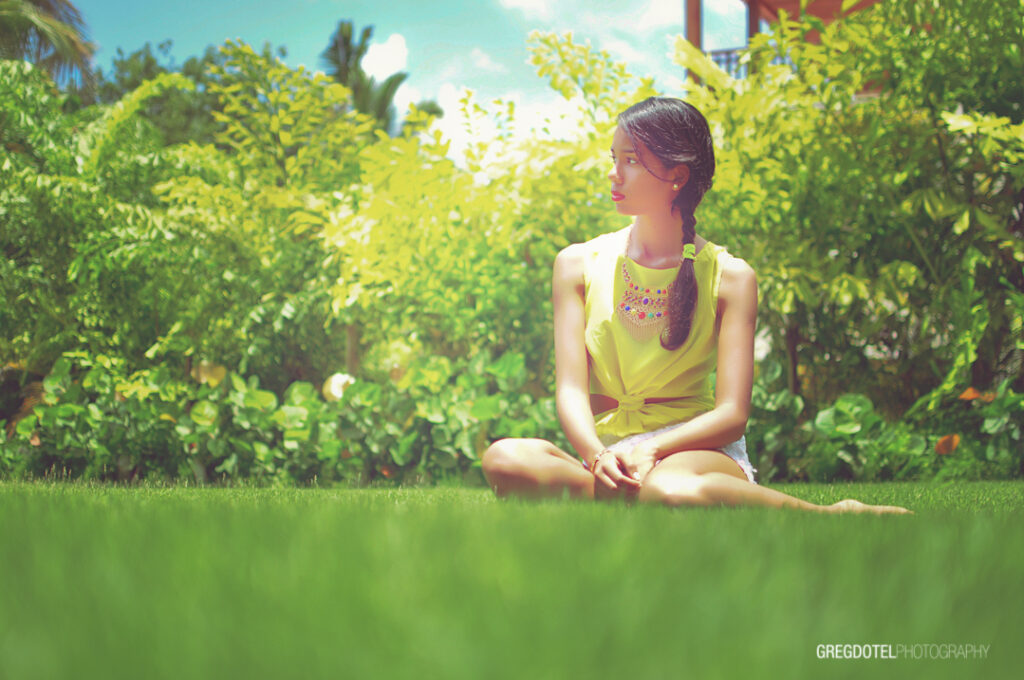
[
  {"x": 609, "y": 468},
  {"x": 640, "y": 460}
]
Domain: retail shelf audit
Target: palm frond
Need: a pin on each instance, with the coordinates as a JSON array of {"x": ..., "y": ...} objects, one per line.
[{"x": 50, "y": 34}]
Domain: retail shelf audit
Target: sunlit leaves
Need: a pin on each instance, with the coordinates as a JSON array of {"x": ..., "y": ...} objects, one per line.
[
  {"x": 701, "y": 65},
  {"x": 104, "y": 134},
  {"x": 292, "y": 127},
  {"x": 579, "y": 71},
  {"x": 858, "y": 199}
]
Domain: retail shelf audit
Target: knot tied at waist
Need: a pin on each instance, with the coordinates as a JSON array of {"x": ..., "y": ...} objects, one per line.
[
  {"x": 599, "y": 403},
  {"x": 629, "y": 402}
]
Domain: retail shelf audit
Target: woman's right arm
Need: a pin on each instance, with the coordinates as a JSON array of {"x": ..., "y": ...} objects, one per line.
[{"x": 572, "y": 374}]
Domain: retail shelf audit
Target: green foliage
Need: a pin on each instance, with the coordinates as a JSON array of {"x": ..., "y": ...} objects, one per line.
[
  {"x": 888, "y": 233},
  {"x": 851, "y": 432},
  {"x": 289, "y": 126},
  {"x": 98, "y": 423},
  {"x": 879, "y": 204},
  {"x": 177, "y": 116},
  {"x": 992, "y": 424},
  {"x": 107, "y": 132},
  {"x": 577, "y": 70},
  {"x": 85, "y": 256},
  {"x": 50, "y": 33},
  {"x": 101, "y": 421}
]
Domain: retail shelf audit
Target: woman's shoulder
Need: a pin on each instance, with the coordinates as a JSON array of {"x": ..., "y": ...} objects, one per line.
[
  {"x": 575, "y": 255},
  {"x": 613, "y": 240},
  {"x": 738, "y": 279},
  {"x": 568, "y": 267},
  {"x": 733, "y": 267}
]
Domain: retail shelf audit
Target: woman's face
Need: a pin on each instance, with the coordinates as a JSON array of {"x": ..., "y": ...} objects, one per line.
[{"x": 634, "y": 189}]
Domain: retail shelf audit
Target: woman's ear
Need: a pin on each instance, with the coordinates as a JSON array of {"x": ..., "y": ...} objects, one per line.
[{"x": 681, "y": 175}]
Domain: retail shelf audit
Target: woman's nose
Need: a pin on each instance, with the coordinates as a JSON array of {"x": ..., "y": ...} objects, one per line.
[{"x": 613, "y": 174}]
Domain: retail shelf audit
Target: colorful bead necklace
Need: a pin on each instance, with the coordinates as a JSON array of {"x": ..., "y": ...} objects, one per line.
[{"x": 642, "y": 310}]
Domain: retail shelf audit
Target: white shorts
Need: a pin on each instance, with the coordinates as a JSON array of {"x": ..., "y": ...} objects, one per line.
[{"x": 736, "y": 450}]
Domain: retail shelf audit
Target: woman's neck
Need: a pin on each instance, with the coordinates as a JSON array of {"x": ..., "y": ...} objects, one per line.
[{"x": 656, "y": 240}]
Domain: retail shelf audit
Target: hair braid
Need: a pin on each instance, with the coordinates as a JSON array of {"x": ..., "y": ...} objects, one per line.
[{"x": 682, "y": 300}]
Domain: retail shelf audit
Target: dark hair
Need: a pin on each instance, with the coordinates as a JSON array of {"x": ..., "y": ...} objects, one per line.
[{"x": 677, "y": 134}]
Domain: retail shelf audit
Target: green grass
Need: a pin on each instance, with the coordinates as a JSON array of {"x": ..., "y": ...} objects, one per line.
[{"x": 106, "y": 582}]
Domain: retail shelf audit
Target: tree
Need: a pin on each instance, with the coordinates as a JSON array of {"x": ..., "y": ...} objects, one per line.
[
  {"x": 343, "y": 58},
  {"x": 178, "y": 115},
  {"x": 50, "y": 34}
]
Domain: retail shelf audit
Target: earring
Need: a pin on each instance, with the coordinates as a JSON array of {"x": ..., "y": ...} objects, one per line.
[{"x": 675, "y": 187}]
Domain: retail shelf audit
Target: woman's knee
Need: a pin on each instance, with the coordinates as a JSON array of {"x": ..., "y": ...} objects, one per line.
[
  {"x": 675, "y": 490},
  {"x": 500, "y": 457},
  {"x": 529, "y": 466},
  {"x": 511, "y": 457}
]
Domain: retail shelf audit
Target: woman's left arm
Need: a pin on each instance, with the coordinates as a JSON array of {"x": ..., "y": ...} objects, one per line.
[{"x": 727, "y": 421}]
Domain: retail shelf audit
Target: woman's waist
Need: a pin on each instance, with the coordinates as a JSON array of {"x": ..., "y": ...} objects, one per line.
[{"x": 599, "y": 403}]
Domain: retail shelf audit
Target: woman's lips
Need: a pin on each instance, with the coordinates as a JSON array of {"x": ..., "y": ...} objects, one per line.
[{"x": 616, "y": 196}]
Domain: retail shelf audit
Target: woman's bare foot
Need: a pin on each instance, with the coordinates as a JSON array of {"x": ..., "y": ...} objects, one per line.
[{"x": 850, "y": 505}]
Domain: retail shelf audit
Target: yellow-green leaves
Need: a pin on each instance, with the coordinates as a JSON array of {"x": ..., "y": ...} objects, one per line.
[
  {"x": 698, "y": 63},
  {"x": 578, "y": 71},
  {"x": 962, "y": 222},
  {"x": 297, "y": 128},
  {"x": 104, "y": 134}
]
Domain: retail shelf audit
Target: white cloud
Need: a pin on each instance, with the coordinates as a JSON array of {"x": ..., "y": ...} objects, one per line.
[
  {"x": 553, "y": 117},
  {"x": 406, "y": 95},
  {"x": 454, "y": 126},
  {"x": 634, "y": 16},
  {"x": 623, "y": 51},
  {"x": 531, "y": 9},
  {"x": 663, "y": 14},
  {"x": 383, "y": 59},
  {"x": 550, "y": 117},
  {"x": 483, "y": 61},
  {"x": 635, "y": 21}
]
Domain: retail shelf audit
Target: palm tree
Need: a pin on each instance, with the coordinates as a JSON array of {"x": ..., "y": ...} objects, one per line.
[
  {"x": 343, "y": 56},
  {"x": 342, "y": 59},
  {"x": 52, "y": 35}
]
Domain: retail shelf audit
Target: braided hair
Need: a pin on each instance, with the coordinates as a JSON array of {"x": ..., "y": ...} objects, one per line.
[{"x": 677, "y": 134}]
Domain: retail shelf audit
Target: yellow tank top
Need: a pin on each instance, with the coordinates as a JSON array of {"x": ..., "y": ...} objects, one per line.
[{"x": 631, "y": 370}]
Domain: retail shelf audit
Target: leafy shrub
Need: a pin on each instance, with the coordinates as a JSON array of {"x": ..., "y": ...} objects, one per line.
[
  {"x": 853, "y": 441},
  {"x": 101, "y": 422},
  {"x": 886, "y": 234},
  {"x": 878, "y": 196},
  {"x": 985, "y": 433}
]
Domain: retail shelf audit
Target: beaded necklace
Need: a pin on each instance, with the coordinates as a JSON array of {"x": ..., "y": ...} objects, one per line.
[{"x": 641, "y": 310}]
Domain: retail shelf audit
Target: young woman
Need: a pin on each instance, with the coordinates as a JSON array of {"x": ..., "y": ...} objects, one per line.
[{"x": 642, "y": 317}]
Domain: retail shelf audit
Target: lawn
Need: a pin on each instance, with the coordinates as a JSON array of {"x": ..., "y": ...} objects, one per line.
[{"x": 149, "y": 582}]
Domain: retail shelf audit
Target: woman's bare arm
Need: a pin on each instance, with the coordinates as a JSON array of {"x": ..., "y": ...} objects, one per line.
[
  {"x": 572, "y": 374},
  {"x": 727, "y": 421}
]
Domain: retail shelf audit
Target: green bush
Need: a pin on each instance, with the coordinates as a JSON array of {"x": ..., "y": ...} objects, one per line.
[
  {"x": 878, "y": 200},
  {"x": 849, "y": 439},
  {"x": 100, "y": 421}
]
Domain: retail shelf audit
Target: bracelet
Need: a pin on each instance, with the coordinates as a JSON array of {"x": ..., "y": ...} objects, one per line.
[{"x": 593, "y": 465}]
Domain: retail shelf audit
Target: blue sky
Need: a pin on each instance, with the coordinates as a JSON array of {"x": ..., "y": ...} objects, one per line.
[{"x": 445, "y": 45}]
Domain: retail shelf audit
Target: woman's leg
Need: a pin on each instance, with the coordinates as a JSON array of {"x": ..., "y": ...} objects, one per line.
[
  {"x": 713, "y": 478},
  {"x": 535, "y": 468}
]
